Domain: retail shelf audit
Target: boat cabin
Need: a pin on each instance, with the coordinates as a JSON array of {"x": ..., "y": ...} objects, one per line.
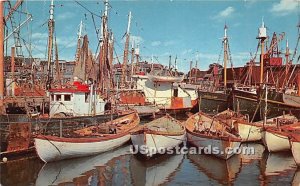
[
  {"x": 77, "y": 100},
  {"x": 164, "y": 91}
]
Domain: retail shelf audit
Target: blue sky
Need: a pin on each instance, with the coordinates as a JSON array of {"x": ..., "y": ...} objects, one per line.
[{"x": 189, "y": 29}]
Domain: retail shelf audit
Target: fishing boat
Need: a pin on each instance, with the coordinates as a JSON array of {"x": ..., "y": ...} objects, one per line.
[
  {"x": 208, "y": 132},
  {"x": 168, "y": 96},
  {"x": 158, "y": 136},
  {"x": 87, "y": 141},
  {"x": 295, "y": 146},
  {"x": 215, "y": 99},
  {"x": 277, "y": 138}
]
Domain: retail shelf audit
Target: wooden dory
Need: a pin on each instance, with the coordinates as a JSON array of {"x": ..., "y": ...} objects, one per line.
[
  {"x": 295, "y": 146},
  {"x": 253, "y": 131},
  {"x": 277, "y": 139},
  {"x": 207, "y": 132},
  {"x": 158, "y": 135},
  {"x": 87, "y": 141}
]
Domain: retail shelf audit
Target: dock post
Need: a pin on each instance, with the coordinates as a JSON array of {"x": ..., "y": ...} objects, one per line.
[{"x": 60, "y": 128}]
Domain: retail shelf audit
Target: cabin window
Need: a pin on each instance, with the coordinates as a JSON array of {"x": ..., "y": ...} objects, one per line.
[
  {"x": 67, "y": 97},
  {"x": 175, "y": 92},
  {"x": 52, "y": 97},
  {"x": 86, "y": 97},
  {"x": 58, "y": 97}
]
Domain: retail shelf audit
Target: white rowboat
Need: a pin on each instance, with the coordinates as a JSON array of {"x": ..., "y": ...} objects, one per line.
[{"x": 53, "y": 148}]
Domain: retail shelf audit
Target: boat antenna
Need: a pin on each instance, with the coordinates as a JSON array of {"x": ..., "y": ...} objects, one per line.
[
  {"x": 225, "y": 42},
  {"x": 125, "y": 58}
]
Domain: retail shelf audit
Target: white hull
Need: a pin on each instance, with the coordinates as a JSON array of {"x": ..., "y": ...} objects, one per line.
[
  {"x": 210, "y": 143},
  {"x": 54, "y": 150},
  {"x": 155, "y": 143},
  {"x": 249, "y": 133},
  {"x": 296, "y": 151},
  {"x": 291, "y": 100},
  {"x": 276, "y": 142}
]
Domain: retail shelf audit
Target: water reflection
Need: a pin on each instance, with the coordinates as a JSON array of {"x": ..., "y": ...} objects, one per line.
[
  {"x": 154, "y": 171},
  {"x": 278, "y": 168},
  {"x": 119, "y": 167},
  {"x": 223, "y": 171},
  {"x": 77, "y": 170},
  {"x": 20, "y": 172},
  {"x": 296, "y": 179},
  {"x": 258, "y": 152}
]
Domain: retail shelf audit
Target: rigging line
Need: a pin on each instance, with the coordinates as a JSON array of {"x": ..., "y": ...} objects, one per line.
[
  {"x": 87, "y": 9},
  {"x": 95, "y": 27}
]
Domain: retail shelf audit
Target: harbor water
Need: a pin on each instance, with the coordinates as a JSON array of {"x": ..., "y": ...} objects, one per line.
[{"x": 120, "y": 167}]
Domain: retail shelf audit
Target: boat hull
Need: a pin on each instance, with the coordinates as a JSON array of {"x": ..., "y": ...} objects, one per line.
[
  {"x": 220, "y": 145},
  {"x": 276, "y": 141},
  {"x": 246, "y": 103},
  {"x": 295, "y": 146},
  {"x": 156, "y": 144},
  {"x": 50, "y": 150},
  {"x": 213, "y": 103},
  {"x": 248, "y": 132},
  {"x": 277, "y": 106}
]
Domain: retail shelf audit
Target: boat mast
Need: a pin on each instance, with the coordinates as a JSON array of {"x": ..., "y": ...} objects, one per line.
[
  {"x": 225, "y": 42},
  {"x": 50, "y": 43},
  {"x": 125, "y": 58},
  {"x": 262, "y": 35},
  {"x": 2, "y": 110},
  {"x": 191, "y": 75},
  {"x": 132, "y": 63},
  {"x": 266, "y": 100},
  {"x": 103, "y": 46},
  {"x": 80, "y": 30},
  {"x": 57, "y": 67},
  {"x": 137, "y": 53}
]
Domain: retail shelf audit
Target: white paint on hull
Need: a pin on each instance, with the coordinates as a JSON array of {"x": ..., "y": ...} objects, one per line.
[
  {"x": 296, "y": 151},
  {"x": 276, "y": 142},
  {"x": 156, "y": 142},
  {"x": 53, "y": 150},
  {"x": 249, "y": 133}
]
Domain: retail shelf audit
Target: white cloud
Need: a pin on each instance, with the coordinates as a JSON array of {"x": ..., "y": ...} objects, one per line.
[
  {"x": 284, "y": 7},
  {"x": 224, "y": 13},
  {"x": 155, "y": 43}
]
